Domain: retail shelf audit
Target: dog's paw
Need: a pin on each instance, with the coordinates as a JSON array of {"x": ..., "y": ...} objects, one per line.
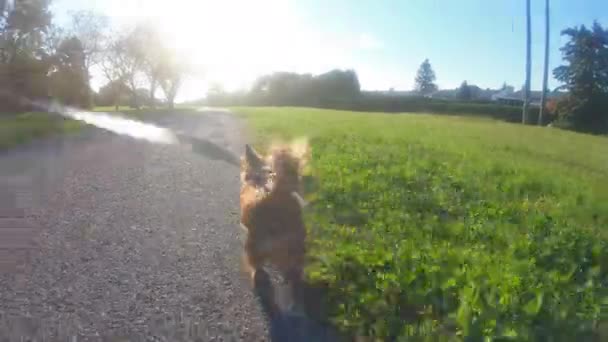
[{"x": 302, "y": 202}]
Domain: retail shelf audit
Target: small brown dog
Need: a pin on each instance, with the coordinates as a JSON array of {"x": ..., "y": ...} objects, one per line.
[{"x": 271, "y": 210}]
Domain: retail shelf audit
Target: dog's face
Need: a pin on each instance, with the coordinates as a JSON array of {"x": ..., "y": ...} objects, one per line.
[
  {"x": 280, "y": 168},
  {"x": 255, "y": 171}
]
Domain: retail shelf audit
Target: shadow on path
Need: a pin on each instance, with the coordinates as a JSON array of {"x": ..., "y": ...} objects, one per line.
[{"x": 285, "y": 325}]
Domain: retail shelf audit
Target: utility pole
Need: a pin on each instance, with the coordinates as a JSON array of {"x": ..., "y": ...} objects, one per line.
[
  {"x": 524, "y": 117},
  {"x": 543, "y": 98}
]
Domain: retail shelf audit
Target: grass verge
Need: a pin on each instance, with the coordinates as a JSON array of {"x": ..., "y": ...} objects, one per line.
[
  {"x": 451, "y": 227},
  {"x": 16, "y": 129}
]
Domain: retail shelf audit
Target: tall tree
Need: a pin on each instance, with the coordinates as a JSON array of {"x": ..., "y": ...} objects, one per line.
[
  {"x": 53, "y": 38},
  {"x": 543, "y": 97},
  {"x": 425, "y": 78},
  {"x": 524, "y": 117},
  {"x": 23, "y": 28},
  {"x": 69, "y": 79},
  {"x": 586, "y": 55},
  {"x": 111, "y": 66},
  {"x": 464, "y": 92},
  {"x": 90, "y": 28},
  {"x": 23, "y": 60},
  {"x": 171, "y": 76},
  {"x": 131, "y": 59},
  {"x": 154, "y": 52},
  {"x": 170, "y": 85},
  {"x": 585, "y": 75}
]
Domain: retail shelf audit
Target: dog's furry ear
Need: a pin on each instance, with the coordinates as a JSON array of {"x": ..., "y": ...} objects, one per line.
[{"x": 252, "y": 158}]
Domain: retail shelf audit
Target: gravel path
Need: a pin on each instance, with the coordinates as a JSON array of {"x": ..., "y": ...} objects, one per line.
[{"x": 133, "y": 241}]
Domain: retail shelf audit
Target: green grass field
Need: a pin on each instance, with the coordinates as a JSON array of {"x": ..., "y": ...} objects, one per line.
[
  {"x": 449, "y": 226},
  {"x": 17, "y": 129}
]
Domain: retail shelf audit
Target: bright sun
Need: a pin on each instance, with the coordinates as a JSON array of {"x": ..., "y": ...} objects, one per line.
[{"x": 232, "y": 40}]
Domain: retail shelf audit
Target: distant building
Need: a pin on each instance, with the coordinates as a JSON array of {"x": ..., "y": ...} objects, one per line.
[
  {"x": 503, "y": 93},
  {"x": 517, "y": 98}
]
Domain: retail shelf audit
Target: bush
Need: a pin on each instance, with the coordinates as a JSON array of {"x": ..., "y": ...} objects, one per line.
[
  {"x": 16, "y": 129},
  {"x": 22, "y": 79},
  {"x": 394, "y": 104},
  {"x": 584, "y": 115},
  {"x": 391, "y": 104}
]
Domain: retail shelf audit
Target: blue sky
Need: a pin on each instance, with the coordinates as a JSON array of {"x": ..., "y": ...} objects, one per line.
[{"x": 480, "y": 41}]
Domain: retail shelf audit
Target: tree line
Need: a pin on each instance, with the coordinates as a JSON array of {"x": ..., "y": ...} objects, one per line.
[
  {"x": 293, "y": 89},
  {"x": 40, "y": 60},
  {"x": 584, "y": 78}
]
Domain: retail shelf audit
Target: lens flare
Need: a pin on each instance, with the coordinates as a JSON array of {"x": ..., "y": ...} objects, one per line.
[
  {"x": 138, "y": 130},
  {"x": 124, "y": 126}
]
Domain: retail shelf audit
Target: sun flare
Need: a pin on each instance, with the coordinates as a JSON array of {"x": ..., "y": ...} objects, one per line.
[{"x": 233, "y": 41}]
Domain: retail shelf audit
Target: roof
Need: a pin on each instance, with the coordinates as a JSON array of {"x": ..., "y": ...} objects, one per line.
[{"x": 534, "y": 95}]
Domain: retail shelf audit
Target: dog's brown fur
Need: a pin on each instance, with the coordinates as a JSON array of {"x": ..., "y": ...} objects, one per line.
[{"x": 271, "y": 210}]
